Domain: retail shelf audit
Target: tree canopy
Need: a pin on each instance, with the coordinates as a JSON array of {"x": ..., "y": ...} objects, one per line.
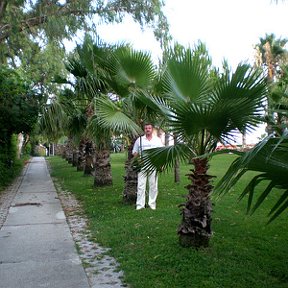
[
  {"x": 23, "y": 22},
  {"x": 18, "y": 105}
]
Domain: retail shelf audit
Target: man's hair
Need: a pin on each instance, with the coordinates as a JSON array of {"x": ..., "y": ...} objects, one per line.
[{"x": 148, "y": 123}]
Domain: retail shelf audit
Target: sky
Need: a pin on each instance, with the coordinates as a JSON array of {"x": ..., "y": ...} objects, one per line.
[{"x": 229, "y": 28}]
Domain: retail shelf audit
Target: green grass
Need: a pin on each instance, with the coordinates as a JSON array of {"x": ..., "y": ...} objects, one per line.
[{"x": 243, "y": 252}]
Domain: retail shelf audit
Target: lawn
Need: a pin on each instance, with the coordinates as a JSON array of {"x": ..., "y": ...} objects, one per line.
[{"x": 243, "y": 252}]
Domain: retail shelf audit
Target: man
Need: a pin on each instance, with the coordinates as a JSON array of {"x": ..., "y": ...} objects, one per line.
[{"x": 146, "y": 142}]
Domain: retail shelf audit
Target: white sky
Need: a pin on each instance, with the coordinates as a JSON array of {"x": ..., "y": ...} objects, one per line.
[{"x": 229, "y": 28}]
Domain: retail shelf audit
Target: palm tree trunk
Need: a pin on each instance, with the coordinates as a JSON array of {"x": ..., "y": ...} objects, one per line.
[
  {"x": 89, "y": 163},
  {"x": 75, "y": 158},
  {"x": 195, "y": 228},
  {"x": 177, "y": 172},
  {"x": 177, "y": 164},
  {"x": 103, "y": 174},
  {"x": 130, "y": 178},
  {"x": 69, "y": 150},
  {"x": 81, "y": 156}
]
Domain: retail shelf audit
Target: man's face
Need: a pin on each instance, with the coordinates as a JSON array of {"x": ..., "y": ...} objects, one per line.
[{"x": 148, "y": 129}]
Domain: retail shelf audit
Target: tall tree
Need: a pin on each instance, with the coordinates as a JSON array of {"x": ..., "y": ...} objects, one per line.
[
  {"x": 203, "y": 108},
  {"x": 23, "y": 22},
  {"x": 32, "y": 31},
  {"x": 272, "y": 56},
  {"x": 19, "y": 106}
]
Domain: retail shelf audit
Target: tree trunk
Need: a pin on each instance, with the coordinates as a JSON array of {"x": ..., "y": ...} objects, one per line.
[
  {"x": 69, "y": 151},
  {"x": 244, "y": 143},
  {"x": 177, "y": 164},
  {"x": 89, "y": 163},
  {"x": 75, "y": 158},
  {"x": 103, "y": 174},
  {"x": 81, "y": 155},
  {"x": 177, "y": 172},
  {"x": 130, "y": 178},
  {"x": 195, "y": 228}
]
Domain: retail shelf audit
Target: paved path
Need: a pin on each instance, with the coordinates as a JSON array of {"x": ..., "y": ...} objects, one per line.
[{"x": 36, "y": 246}]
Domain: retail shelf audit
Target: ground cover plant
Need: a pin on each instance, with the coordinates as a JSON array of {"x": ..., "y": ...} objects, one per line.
[{"x": 244, "y": 251}]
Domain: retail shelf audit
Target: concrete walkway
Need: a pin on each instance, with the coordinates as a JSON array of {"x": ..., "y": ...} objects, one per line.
[{"x": 36, "y": 246}]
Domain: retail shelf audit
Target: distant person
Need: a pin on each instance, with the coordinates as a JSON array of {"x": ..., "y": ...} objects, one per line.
[{"x": 142, "y": 143}]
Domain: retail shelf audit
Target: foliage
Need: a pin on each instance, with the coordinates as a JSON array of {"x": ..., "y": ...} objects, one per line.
[
  {"x": 18, "y": 105},
  {"x": 272, "y": 57},
  {"x": 26, "y": 22},
  {"x": 132, "y": 80},
  {"x": 32, "y": 33},
  {"x": 272, "y": 51},
  {"x": 244, "y": 252},
  {"x": 269, "y": 157},
  {"x": 203, "y": 108},
  {"x": 10, "y": 166}
]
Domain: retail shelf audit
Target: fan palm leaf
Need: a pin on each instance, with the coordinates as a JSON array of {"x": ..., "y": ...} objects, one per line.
[
  {"x": 53, "y": 120},
  {"x": 164, "y": 158},
  {"x": 269, "y": 158},
  {"x": 111, "y": 117},
  {"x": 133, "y": 68}
]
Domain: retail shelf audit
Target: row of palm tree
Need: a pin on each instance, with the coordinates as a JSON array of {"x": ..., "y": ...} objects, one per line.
[
  {"x": 116, "y": 88},
  {"x": 107, "y": 98}
]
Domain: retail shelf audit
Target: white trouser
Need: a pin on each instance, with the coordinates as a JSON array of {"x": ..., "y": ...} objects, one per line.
[{"x": 141, "y": 189}]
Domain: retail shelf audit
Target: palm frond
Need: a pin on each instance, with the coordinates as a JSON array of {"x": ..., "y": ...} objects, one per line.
[
  {"x": 239, "y": 100},
  {"x": 152, "y": 102},
  {"x": 133, "y": 68},
  {"x": 270, "y": 159},
  {"x": 187, "y": 78},
  {"x": 200, "y": 100},
  {"x": 164, "y": 158},
  {"x": 53, "y": 120},
  {"x": 110, "y": 116},
  {"x": 101, "y": 136}
]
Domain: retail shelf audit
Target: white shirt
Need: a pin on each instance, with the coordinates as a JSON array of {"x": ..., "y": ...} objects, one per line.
[{"x": 146, "y": 144}]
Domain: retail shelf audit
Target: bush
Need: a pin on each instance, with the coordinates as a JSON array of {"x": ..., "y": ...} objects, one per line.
[{"x": 10, "y": 166}]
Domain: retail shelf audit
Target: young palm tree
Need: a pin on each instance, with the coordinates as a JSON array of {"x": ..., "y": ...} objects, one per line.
[
  {"x": 203, "y": 108},
  {"x": 61, "y": 117},
  {"x": 91, "y": 74},
  {"x": 133, "y": 76}
]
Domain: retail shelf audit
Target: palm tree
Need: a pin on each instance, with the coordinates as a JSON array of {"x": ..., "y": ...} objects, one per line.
[
  {"x": 55, "y": 120},
  {"x": 270, "y": 158},
  {"x": 91, "y": 73},
  {"x": 133, "y": 77},
  {"x": 272, "y": 56},
  {"x": 278, "y": 99},
  {"x": 203, "y": 107},
  {"x": 272, "y": 52}
]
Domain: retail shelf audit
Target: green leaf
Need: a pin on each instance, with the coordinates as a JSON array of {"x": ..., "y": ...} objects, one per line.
[{"x": 110, "y": 116}]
